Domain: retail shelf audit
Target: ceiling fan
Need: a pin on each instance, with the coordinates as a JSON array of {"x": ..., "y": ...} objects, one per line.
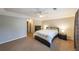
[{"x": 41, "y": 12}]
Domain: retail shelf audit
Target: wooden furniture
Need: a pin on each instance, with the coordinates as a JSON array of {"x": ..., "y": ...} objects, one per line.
[
  {"x": 45, "y": 41},
  {"x": 76, "y": 31},
  {"x": 62, "y": 36},
  {"x": 42, "y": 40},
  {"x": 37, "y": 28}
]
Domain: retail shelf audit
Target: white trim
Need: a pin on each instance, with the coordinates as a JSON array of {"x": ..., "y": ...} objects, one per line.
[{"x": 12, "y": 39}]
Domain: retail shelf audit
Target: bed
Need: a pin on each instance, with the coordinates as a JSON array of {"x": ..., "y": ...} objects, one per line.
[{"x": 46, "y": 36}]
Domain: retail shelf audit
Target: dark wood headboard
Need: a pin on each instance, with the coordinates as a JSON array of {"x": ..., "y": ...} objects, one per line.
[{"x": 53, "y": 28}]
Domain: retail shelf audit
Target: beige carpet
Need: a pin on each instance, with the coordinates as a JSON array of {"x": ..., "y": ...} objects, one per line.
[{"x": 30, "y": 44}]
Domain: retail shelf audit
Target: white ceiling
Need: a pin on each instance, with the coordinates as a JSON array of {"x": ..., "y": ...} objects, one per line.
[{"x": 47, "y": 13}]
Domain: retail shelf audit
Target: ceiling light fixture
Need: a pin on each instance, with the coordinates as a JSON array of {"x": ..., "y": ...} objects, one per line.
[
  {"x": 41, "y": 16},
  {"x": 39, "y": 13}
]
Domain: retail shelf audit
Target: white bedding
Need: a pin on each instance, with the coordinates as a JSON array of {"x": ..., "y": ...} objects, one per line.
[{"x": 46, "y": 34}]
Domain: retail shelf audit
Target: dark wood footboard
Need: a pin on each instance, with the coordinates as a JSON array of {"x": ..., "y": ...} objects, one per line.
[{"x": 43, "y": 40}]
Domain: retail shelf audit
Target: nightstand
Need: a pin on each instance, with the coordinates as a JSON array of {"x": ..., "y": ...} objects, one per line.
[{"x": 63, "y": 36}]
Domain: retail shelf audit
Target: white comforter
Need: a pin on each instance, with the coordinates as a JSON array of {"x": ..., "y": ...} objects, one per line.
[{"x": 46, "y": 34}]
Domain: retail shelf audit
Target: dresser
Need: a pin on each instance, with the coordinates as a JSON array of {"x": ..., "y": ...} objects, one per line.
[{"x": 38, "y": 27}]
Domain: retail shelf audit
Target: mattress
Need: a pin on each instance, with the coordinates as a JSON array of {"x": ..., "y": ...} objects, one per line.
[{"x": 48, "y": 35}]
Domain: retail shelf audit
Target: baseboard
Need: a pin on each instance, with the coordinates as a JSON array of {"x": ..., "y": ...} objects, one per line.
[{"x": 13, "y": 39}]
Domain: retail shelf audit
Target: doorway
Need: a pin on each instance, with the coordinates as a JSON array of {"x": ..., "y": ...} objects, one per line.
[{"x": 28, "y": 27}]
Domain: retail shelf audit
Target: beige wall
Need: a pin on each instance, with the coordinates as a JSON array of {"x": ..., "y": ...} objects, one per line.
[
  {"x": 32, "y": 26},
  {"x": 37, "y": 22},
  {"x": 68, "y": 25}
]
